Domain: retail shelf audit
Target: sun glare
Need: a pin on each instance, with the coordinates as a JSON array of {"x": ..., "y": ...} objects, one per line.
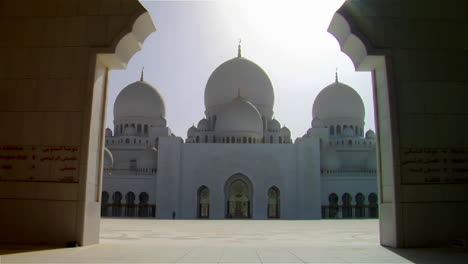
[{"x": 287, "y": 24}]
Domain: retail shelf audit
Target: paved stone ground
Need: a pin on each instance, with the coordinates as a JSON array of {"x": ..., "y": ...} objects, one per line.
[{"x": 236, "y": 241}]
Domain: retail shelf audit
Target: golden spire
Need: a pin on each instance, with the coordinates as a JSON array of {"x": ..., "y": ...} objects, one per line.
[
  {"x": 239, "y": 49},
  {"x": 142, "y": 70}
]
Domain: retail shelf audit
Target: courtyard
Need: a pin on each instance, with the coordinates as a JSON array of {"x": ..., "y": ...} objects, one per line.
[{"x": 234, "y": 241}]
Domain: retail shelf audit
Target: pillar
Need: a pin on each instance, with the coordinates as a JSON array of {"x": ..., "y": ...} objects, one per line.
[{"x": 56, "y": 55}]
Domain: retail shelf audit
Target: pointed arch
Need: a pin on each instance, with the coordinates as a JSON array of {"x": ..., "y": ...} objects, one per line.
[
  {"x": 273, "y": 209},
  {"x": 130, "y": 204},
  {"x": 333, "y": 205},
  {"x": 143, "y": 208},
  {"x": 373, "y": 206},
  {"x": 347, "y": 209},
  {"x": 359, "y": 211},
  {"x": 203, "y": 202},
  {"x": 104, "y": 203},
  {"x": 238, "y": 193},
  {"x": 116, "y": 204}
]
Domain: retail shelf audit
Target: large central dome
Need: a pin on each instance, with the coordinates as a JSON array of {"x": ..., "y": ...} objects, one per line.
[{"x": 239, "y": 73}]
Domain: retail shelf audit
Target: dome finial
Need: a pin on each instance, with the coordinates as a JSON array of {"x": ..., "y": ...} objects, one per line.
[
  {"x": 239, "y": 49},
  {"x": 336, "y": 75},
  {"x": 142, "y": 71}
]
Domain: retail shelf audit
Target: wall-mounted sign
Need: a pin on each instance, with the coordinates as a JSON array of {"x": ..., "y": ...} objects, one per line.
[
  {"x": 434, "y": 165},
  {"x": 39, "y": 163}
]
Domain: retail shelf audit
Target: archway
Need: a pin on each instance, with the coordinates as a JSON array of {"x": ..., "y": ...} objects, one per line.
[
  {"x": 143, "y": 209},
  {"x": 75, "y": 67},
  {"x": 359, "y": 210},
  {"x": 130, "y": 204},
  {"x": 87, "y": 116},
  {"x": 203, "y": 204},
  {"x": 238, "y": 196},
  {"x": 347, "y": 210},
  {"x": 117, "y": 204},
  {"x": 373, "y": 206},
  {"x": 333, "y": 206},
  {"x": 273, "y": 203},
  {"x": 366, "y": 57},
  {"x": 104, "y": 203}
]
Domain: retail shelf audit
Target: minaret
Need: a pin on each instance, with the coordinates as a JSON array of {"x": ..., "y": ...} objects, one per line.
[{"x": 239, "y": 50}]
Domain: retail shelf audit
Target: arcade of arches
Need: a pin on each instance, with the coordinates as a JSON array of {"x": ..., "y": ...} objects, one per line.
[
  {"x": 115, "y": 207},
  {"x": 238, "y": 204},
  {"x": 347, "y": 210},
  {"x": 53, "y": 79}
]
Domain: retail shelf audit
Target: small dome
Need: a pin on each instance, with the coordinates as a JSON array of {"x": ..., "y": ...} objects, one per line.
[
  {"x": 139, "y": 99},
  {"x": 337, "y": 101},
  {"x": 329, "y": 159},
  {"x": 108, "y": 132},
  {"x": 148, "y": 158},
  {"x": 130, "y": 131},
  {"x": 239, "y": 118},
  {"x": 108, "y": 159},
  {"x": 317, "y": 123},
  {"x": 370, "y": 134},
  {"x": 348, "y": 132},
  {"x": 314, "y": 132},
  {"x": 203, "y": 125},
  {"x": 239, "y": 73},
  {"x": 285, "y": 131},
  {"x": 274, "y": 125},
  {"x": 192, "y": 131}
]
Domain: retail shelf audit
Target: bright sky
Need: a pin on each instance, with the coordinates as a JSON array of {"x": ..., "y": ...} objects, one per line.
[{"x": 287, "y": 38}]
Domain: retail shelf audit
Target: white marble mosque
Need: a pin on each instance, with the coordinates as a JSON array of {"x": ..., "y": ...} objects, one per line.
[{"x": 239, "y": 162}]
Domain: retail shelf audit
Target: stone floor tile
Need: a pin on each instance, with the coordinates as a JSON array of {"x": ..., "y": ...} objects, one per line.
[
  {"x": 239, "y": 255},
  {"x": 226, "y": 241},
  {"x": 277, "y": 255},
  {"x": 202, "y": 255}
]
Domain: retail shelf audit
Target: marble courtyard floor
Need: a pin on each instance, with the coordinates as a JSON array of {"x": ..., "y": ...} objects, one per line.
[{"x": 235, "y": 241}]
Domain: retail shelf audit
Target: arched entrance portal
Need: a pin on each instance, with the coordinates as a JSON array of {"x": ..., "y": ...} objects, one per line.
[
  {"x": 203, "y": 202},
  {"x": 238, "y": 191},
  {"x": 238, "y": 200},
  {"x": 273, "y": 203}
]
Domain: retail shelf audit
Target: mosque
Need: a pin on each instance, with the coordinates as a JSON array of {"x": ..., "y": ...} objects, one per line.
[{"x": 239, "y": 162}]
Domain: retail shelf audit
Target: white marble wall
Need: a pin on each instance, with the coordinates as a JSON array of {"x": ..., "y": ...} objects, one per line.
[{"x": 291, "y": 167}]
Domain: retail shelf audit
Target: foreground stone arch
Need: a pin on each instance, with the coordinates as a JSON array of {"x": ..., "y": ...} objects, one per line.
[
  {"x": 412, "y": 53},
  {"x": 53, "y": 83},
  {"x": 365, "y": 58}
]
